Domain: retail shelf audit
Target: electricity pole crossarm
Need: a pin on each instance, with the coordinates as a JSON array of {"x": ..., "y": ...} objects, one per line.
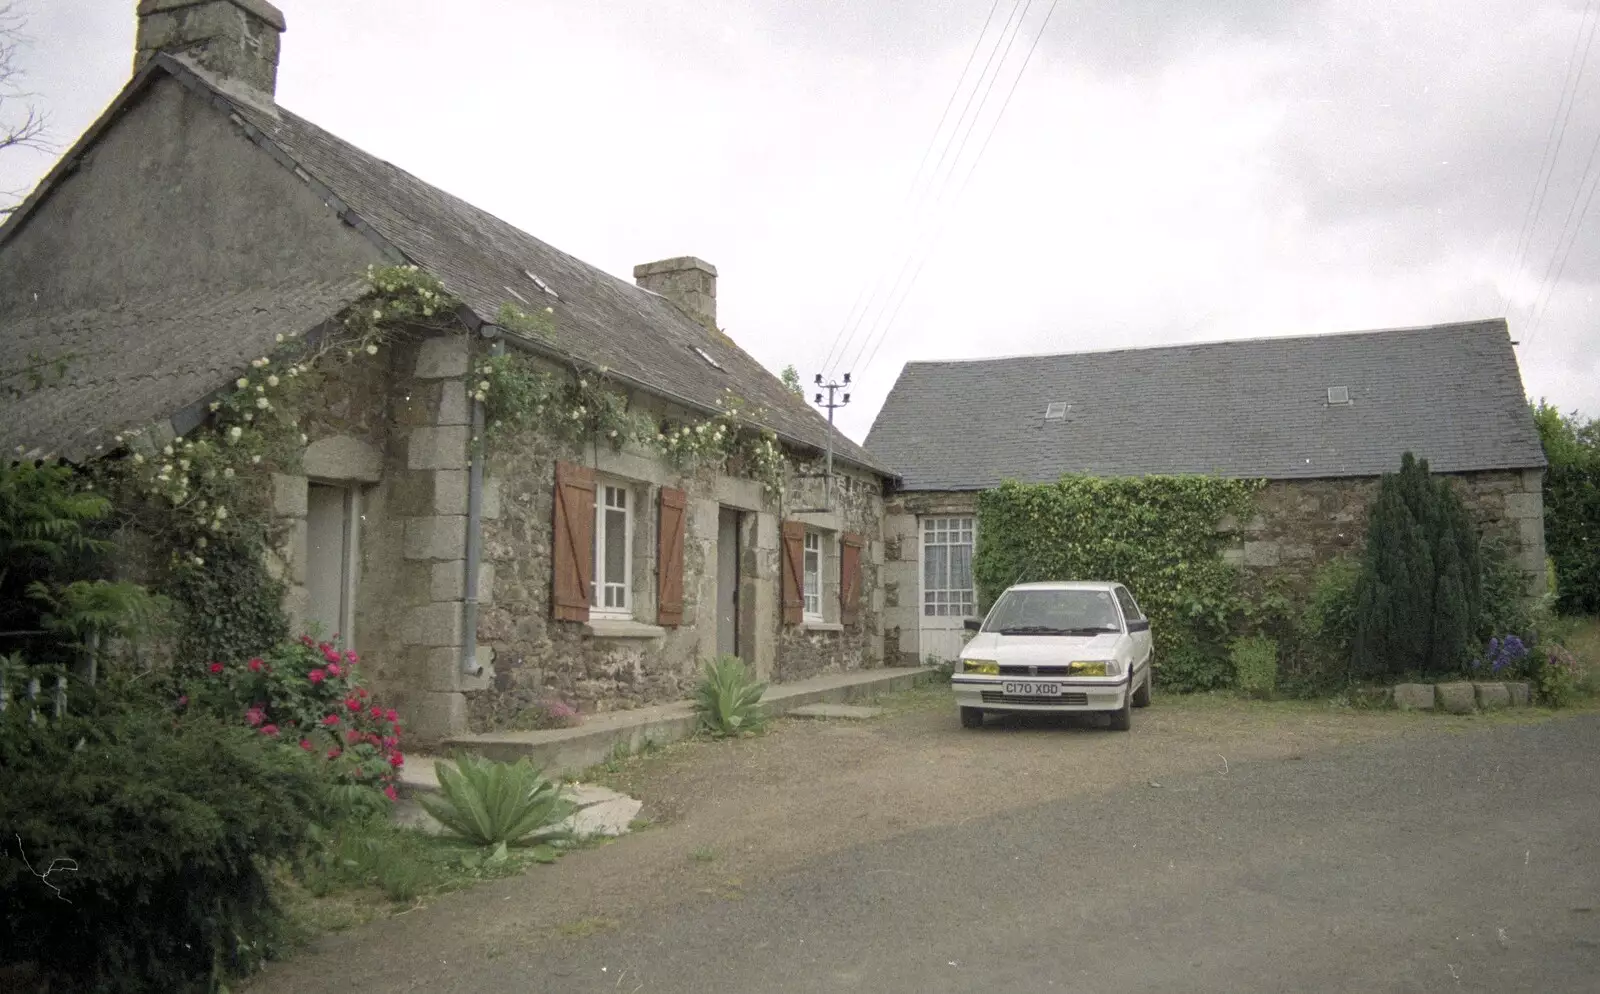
[{"x": 834, "y": 389}]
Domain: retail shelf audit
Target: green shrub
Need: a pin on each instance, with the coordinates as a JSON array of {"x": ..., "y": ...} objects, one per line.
[
  {"x": 1572, "y": 506},
  {"x": 1421, "y": 589},
  {"x": 1255, "y": 665},
  {"x": 230, "y": 607},
  {"x": 1329, "y": 617},
  {"x": 147, "y": 839},
  {"x": 369, "y": 851},
  {"x": 489, "y": 803},
  {"x": 1157, "y": 534},
  {"x": 1506, "y": 605},
  {"x": 728, "y": 700},
  {"x": 1191, "y": 667},
  {"x": 306, "y": 695},
  {"x": 1556, "y": 676}
]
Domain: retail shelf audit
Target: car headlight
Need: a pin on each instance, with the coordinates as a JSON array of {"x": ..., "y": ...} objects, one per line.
[
  {"x": 987, "y": 667},
  {"x": 1097, "y": 667}
]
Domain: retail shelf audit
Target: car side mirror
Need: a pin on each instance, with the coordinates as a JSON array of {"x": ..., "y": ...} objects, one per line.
[
  {"x": 972, "y": 624},
  {"x": 1142, "y": 625}
]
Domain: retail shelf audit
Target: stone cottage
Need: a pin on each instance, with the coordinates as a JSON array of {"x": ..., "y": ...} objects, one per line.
[
  {"x": 1319, "y": 417},
  {"x": 197, "y": 222}
]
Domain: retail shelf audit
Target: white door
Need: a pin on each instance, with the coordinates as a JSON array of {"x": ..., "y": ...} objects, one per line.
[
  {"x": 331, "y": 518},
  {"x": 948, "y": 595}
]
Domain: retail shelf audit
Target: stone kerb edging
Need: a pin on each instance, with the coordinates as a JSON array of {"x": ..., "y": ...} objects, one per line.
[{"x": 1460, "y": 697}]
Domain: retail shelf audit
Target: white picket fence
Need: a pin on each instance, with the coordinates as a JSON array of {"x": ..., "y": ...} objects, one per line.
[{"x": 31, "y": 696}]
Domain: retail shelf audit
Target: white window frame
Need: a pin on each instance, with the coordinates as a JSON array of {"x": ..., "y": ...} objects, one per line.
[
  {"x": 812, "y": 572},
  {"x": 958, "y": 603},
  {"x": 600, "y": 583}
]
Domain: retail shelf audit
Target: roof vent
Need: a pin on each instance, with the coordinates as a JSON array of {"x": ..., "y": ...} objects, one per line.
[
  {"x": 1056, "y": 410},
  {"x": 541, "y": 284},
  {"x": 702, "y": 353},
  {"x": 1338, "y": 395}
]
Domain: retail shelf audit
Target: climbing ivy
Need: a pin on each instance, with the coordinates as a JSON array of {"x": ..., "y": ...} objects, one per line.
[{"x": 1157, "y": 534}]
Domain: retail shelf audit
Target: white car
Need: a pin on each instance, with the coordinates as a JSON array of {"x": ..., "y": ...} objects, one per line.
[{"x": 1057, "y": 648}]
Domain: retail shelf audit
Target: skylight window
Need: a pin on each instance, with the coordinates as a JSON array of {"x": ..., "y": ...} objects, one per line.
[
  {"x": 702, "y": 353},
  {"x": 541, "y": 284},
  {"x": 1338, "y": 395},
  {"x": 1056, "y": 410}
]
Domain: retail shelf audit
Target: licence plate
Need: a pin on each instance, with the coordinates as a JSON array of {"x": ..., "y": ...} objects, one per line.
[{"x": 1032, "y": 689}]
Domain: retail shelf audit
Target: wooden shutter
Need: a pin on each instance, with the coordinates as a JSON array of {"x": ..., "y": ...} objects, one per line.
[
  {"x": 850, "y": 545},
  {"x": 669, "y": 562},
  {"x": 794, "y": 572},
  {"x": 572, "y": 556}
]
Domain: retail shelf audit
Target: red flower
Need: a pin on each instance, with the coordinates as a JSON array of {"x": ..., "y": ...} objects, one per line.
[
  {"x": 316, "y": 676},
  {"x": 333, "y": 753},
  {"x": 396, "y": 731},
  {"x": 322, "y": 647},
  {"x": 333, "y": 669},
  {"x": 183, "y": 701},
  {"x": 396, "y": 760},
  {"x": 361, "y": 692},
  {"x": 353, "y": 704},
  {"x": 255, "y": 666},
  {"x": 389, "y": 792},
  {"x": 254, "y": 716},
  {"x": 305, "y": 744},
  {"x": 331, "y": 720},
  {"x": 269, "y": 730},
  {"x": 390, "y": 742},
  {"x": 215, "y": 667},
  {"x": 391, "y": 715},
  {"x": 305, "y": 640},
  {"x": 351, "y": 657},
  {"x": 377, "y": 712},
  {"x": 352, "y": 736}
]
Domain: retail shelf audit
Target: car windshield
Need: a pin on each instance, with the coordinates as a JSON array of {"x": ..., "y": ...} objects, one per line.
[{"x": 1054, "y": 612}]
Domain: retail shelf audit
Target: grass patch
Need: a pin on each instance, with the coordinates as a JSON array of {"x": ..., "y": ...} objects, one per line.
[
  {"x": 705, "y": 854},
  {"x": 584, "y": 927},
  {"x": 371, "y": 870}
]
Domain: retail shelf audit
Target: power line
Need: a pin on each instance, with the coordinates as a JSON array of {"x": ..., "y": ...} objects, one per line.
[
  {"x": 1549, "y": 286},
  {"x": 994, "y": 127},
  {"x": 944, "y": 186},
  {"x": 1541, "y": 183},
  {"x": 927, "y": 153}
]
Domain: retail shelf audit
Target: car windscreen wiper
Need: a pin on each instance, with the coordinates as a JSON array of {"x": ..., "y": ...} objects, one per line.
[{"x": 1036, "y": 630}]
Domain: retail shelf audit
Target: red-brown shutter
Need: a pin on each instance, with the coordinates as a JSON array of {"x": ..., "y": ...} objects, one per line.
[
  {"x": 669, "y": 549},
  {"x": 573, "y": 554},
  {"x": 794, "y": 572},
  {"x": 850, "y": 578}
]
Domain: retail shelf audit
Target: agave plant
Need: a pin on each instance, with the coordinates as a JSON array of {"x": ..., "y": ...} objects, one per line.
[
  {"x": 489, "y": 803},
  {"x": 729, "y": 699}
]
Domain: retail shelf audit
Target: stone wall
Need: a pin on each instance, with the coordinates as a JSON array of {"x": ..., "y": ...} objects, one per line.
[
  {"x": 393, "y": 430},
  {"x": 606, "y": 665},
  {"x": 1298, "y": 525},
  {"x": 811, "y": 649}
]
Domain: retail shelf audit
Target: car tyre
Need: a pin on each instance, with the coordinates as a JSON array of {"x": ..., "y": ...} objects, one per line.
[
  {"x": 1141, "y": 697},
  {"x": 972, "y": 717},
  {"x": 1122, "y": 718}
]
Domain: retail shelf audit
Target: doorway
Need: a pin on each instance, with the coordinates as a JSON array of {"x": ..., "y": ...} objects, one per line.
[
  {"x": 948, "y": 594},
  {"x": 729, "y": 526},
  {"x": 331, "y": 521}
]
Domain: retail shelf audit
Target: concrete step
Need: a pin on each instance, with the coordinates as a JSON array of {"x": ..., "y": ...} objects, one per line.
[{"x": 568, "y": 751}]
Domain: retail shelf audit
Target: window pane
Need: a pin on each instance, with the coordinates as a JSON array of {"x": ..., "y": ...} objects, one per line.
[
  {"x": 960, "y": 567},
  {"x": 935, "y": 567},
  {"x": 616, "y": 547}
]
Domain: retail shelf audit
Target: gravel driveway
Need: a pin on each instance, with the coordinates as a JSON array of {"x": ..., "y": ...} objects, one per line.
[{"x": 736, "y": 822}]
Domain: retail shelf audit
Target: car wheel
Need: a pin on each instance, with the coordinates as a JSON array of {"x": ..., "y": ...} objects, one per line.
[
  {"x": 1122, "y": 718},
  {"x": 972, "y": 717},
  {"x": 1141, "y": 697}
]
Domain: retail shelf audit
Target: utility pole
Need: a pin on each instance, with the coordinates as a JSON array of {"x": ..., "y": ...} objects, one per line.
[{"x": 832, "y": 405}]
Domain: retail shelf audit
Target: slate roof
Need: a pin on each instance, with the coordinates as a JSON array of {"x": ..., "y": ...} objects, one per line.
[
  {"x": 639, "y": 337},
  {"x": 1259, "y": 408}
]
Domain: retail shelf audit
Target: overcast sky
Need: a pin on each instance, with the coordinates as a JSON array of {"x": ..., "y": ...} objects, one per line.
[{"x": 1240, "y": 168}]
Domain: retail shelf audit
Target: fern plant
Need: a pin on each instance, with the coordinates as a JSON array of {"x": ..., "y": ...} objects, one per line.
[
  {"x": 489, "y": 803},
  {"x": 728, "y": 701}
]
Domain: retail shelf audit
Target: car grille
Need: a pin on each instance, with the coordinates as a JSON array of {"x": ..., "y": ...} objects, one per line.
[
  {"x": 996, "y": 697},
  {"x": 1035, "y": 671}
]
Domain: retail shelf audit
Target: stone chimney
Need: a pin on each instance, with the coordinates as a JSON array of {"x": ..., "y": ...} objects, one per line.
[
  {"x": 235, "y": 41},
  {"x": 686, "y": 281}
]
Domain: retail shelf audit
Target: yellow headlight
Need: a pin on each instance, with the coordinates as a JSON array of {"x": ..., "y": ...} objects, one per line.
[
  {"x": 984, "y": 666},
  {"x": 1087, "y": 669}
]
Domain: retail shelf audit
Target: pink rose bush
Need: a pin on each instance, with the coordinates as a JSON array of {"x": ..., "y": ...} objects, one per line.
[{"x": 307, "y": 694}]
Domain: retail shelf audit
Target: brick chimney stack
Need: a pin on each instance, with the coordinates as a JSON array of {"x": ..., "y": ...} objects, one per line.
[
  {"x": 235, "y": 41},
  {"x": 686, "y": 281}
]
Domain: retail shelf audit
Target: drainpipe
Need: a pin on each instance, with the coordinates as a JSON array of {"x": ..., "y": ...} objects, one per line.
[{"x": 469, "y": 623}]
